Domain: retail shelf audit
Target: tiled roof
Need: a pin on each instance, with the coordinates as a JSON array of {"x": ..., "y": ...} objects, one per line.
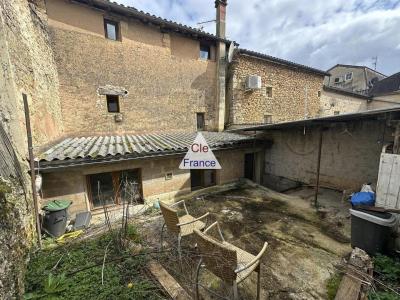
[
  {"x": 149, "y": 18},
  {"x": 385, "y": 86},
  {"x": 97, "y": 147},
  {"x": 281, "y": 61}
]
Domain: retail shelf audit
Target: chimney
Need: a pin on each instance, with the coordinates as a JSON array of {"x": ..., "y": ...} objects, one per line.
[{"x": 220, "y": 5}]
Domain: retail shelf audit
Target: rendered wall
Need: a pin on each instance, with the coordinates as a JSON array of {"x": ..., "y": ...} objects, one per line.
[
  {"x": 334, "y": 102},
  {"x": 350, "y": 154},
  {"x": 167, "y": 83}
]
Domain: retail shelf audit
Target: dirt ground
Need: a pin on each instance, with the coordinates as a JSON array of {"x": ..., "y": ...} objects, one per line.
[{"x": 304, "y": 246}]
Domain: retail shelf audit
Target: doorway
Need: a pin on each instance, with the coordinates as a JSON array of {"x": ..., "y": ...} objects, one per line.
[
  {"x": 202, "y": 178},
  {"x": 249, "y": 166}
]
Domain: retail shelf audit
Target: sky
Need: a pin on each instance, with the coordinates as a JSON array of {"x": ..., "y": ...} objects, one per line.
[{"x": 316, "y": 33}]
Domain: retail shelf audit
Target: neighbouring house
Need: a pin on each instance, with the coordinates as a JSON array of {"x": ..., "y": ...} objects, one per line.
[
  {"x": 386, "y": 92},
  {"x": 335, "y": 101},
  {"x": 266, "y": 89},
  {"x": 353, "y": 78}
]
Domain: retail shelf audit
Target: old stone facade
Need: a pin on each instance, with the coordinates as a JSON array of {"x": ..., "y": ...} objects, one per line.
[
  {"x": 27, "y": 66},
  {"x": 286, "y": 93},
  {"x": 166, "y": 81}
]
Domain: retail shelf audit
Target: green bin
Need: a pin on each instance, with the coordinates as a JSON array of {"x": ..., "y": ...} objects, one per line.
[{"x": 55, "y": 218}]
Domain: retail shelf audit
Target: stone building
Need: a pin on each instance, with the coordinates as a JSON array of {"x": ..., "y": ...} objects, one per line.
[
  {"x": 287, "y": 91},
  {"x": 120, "y": 94},
  {"x": 134, "y": 89}
]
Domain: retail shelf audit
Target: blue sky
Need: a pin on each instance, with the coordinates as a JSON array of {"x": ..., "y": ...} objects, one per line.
[{"x": 318, "y": 33}]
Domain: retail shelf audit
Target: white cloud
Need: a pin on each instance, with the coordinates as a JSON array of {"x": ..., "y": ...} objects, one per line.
[{"x": 318, "y": 33}]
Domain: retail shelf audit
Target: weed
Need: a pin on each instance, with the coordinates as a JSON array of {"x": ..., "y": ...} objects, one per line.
[
  {"x": 81, "y": 283},
  {"x": 333, "y": 284},
  {"x": 387, "y": 268}
]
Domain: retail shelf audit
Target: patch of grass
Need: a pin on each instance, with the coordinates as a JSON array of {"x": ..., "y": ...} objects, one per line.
[
  {"x": 383, "y": 296},
  {"x": 333, "y": 284},
  {"x": 123, "y": 278},
  {"x": 387, "y": 268}
]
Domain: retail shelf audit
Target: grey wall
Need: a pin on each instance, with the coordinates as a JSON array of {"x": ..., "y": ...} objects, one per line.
[{"x": 350, "y": 155}]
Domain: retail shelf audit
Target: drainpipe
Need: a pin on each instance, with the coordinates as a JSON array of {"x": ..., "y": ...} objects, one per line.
[{"x": 220, "y": 5}]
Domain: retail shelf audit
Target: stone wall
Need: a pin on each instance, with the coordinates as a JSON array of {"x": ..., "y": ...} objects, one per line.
[
  {"x": 350, "y": 154},
  {"x": 166, "y": 81},
  {"x": 71, "y": 185},
  {"x": 340, "y": 103},
  {"x": 27, "y": 66},
  {"x": 287, "y": 101}
]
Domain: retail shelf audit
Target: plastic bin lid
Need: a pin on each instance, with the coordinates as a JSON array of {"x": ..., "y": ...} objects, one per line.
[
  {"x": 380, "y": 218},
  {"x": 57, "y": 205}
]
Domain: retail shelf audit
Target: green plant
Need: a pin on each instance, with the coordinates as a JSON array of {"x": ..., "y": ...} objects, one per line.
[
  {"x": 82, "y": 262},
  {"x": 383, "y": 296},
  {"x": 387, "y": 268},
  {"x": 333, "y": 284},
  {"x": 52, "y": 287}
]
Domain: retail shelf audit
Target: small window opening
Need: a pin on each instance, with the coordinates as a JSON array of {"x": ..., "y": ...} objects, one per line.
[
  {"x": 336, "y": 112},
  {"x": 337, "y": 79},
  {"x": 168, "y": 176},
  {"x": 111, "y": 30},
  {"x": 319, "y": 94},
  {"x": 200, "y": 121},
  {"x": 268, "y": 119},
  {"x": 112, "y": 103},
  {"x": 349, "y": 76},
  {"x": 205, "y": 51},
  {"x": 268, "y": 91}
]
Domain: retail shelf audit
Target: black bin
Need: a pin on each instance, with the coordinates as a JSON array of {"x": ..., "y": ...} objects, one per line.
[
  {"x": 55, "y": 218},
  {"x": 371, "y": 230}
]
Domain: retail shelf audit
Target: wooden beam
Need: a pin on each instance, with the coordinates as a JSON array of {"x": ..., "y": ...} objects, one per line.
[
  {"x": 171, "y": 286},
  {"x": 318, "y": 167}
]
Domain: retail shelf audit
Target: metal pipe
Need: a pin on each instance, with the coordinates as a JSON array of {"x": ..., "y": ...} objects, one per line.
[
  {"x": 318, "y": 168},
  {"x": 32, "y": 167}
]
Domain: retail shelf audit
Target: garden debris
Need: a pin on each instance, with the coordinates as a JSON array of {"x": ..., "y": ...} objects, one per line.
[
  {"x": 173, "y": 288},
  {"x": 68, "y": 236},
  {"x": 358, "y": 276}
]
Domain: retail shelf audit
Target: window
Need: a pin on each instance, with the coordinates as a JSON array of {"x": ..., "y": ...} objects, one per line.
[
  {"x": 168, "y": 176},
  {"x": 200, "y": 121},
  {"x": 112, "y": 103},
  {"x": 268, "y": 91},
  {"x": 319, "y": 94},
  {"x": 205, "y": 51},
  {"x": 336, "y": 112},
  {"x": 114, "y": 188},
  {"x": 111, "y": 30},
  {"x": 101, "y": 189},
  {"x": 268, "y": 119},
  {"x": 337, "y": 79},
  {"x": 349, "y": 76}
]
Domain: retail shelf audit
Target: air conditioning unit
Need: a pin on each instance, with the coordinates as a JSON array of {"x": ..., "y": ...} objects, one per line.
[{"x": 253, "y": 82}]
